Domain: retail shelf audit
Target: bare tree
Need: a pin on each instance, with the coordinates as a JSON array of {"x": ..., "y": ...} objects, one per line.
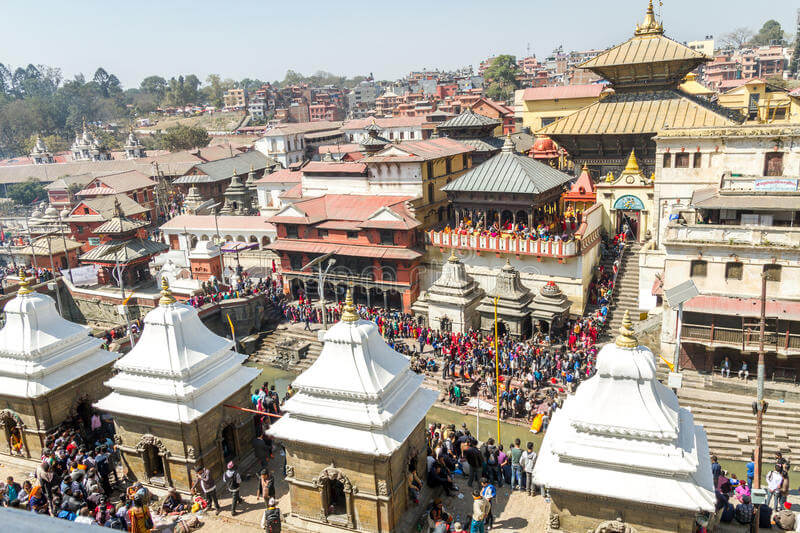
[{"x": 737, "y": 38}]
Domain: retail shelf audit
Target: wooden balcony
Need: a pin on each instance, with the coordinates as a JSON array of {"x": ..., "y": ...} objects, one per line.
[{"x": 779, "y": 342}]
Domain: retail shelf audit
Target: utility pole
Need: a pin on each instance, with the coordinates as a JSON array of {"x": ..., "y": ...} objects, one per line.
[{"x": 760, "y": 406}]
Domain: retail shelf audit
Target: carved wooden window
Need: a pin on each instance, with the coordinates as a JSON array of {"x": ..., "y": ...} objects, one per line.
[
  {"x": 733, "y": 270},
  {"x": 698, "y": 269},
  {"x": 772, "y": 272}
]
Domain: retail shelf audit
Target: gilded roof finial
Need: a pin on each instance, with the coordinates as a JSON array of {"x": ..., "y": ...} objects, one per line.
[
  {"x": 508, "y": 145},
  {"x": 166, "y": 295},
  {"x": 632, "y": 167},
  {"x": 650, "y": 26},
  {"x": 453, "y": 257},
  {"x": 24, "y": 284},
  {"x": 349, "y": 312},
  {"x": 626, "y": 337}
]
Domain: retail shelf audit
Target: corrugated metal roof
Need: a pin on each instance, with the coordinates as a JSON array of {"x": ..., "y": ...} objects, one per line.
[
  {"x": 485, "y": 144},
  {"x": 375, "y": 251},
  {"x": 644, "y": 49},
  {"x": 510, "y": 173},
  {"x": 469, "y": 119},
  {"x": 131, "y": 250},
  {"x": 591, "y": 90},
  {"x": 119, "y": 224},
  {"x": 105, "y": 206},
  {"x": 642, "y": 112},
  {"x": 222, "y": 169}
]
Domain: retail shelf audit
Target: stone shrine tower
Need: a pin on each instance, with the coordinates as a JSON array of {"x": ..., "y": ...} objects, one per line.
[
  {"x": 51, "y": 369},
  {"x": 452, "y": 301},
  {"x": 512, "y": 305},
  {"x": 40, "y": 154},
  {"x": 169, "y": 399},
  {"x": 133, "y": 147},
  {"x": 237, "y": 198},
  {"x": 622, "y": 455},
  {"x": 352, "y": 431}
]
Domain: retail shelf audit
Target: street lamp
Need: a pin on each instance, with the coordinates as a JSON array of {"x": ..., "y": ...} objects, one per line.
[{"x": 321, "y": 280}]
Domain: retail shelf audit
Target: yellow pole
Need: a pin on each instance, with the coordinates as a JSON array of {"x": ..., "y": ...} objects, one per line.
[{"x": 496, "y": 372}]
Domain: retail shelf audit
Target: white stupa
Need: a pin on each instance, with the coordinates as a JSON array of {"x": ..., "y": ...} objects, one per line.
[
  {"x": 40, "y": 351},
  {"x": 359, "y": 395},
  {"x": 623, "y": 436},
  {"x": 179, "y": 369}
]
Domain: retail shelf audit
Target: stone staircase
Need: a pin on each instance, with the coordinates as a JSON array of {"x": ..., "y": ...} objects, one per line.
[
  {"x": 626, "y": 291},
  {"x": 266, "y": 351},
  {"x": 730, "y": 423}
]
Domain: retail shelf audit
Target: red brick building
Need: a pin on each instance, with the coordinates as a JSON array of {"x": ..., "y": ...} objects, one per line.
[
  {"x": 89, "y": 213},
  {"x": 492, "y": 109},
  {"x": 133, "y": 184},
  {"x": 374, "y": 240}
]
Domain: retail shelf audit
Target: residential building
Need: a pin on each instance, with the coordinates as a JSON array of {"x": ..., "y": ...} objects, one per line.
[
  {"x": 737, "y": 224},
  {"x": 394, "y": 129},
  {"x": 270, "y": 187},
  {"x": 134, "y": 184},
  {"x": 212, "y": 178},
  {"x": 496, "y": 110},
  {"x": 61, "y": 193},
  {"x": 762, "y": 102},
  {"x": 373, "y": 238},
  {"x": 704, "y": 46},
  {"x": 235, "y": 99},
  {"x": 286, "y": 143},
  {"x": 361, "y": 99}
]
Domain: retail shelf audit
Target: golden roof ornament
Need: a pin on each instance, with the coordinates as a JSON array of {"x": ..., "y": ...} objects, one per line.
[
  {"x": 166, "y": 295},
  {"x": 626, "y": 337},
  {"x": 453, "y": 257},
  {"x": 24, "y": 284},
  {"x": 650, "y": 26},
  {"x": 632, "y": 167},
  {"x": 349, "y": 312}
]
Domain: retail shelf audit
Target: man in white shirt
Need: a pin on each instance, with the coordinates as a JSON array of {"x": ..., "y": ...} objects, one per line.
[
  {"x": 774, "y": 481},
  {"x": 528, "y": 460}
]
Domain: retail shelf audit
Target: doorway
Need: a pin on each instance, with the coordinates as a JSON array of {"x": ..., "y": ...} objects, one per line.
[
  {"x": 228, "y": 443},
  {"x": 335, "y": 498},
  {"x": 153, "y": 464},
  {"x": 628, "y": 222}
]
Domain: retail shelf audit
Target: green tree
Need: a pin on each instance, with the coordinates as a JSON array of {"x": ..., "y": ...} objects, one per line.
[
  {"x": 26, "y": 192},
  {"x": 154, "y": 85},
  {"x": 501, "y": 77},
  {"x": 770, "y": 33},
  {"x": 214, "y": 91},
  {"x": 185, "y": 138}
]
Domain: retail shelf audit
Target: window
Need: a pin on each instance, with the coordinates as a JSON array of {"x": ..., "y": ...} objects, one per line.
[
  {"x": 291, "y": 231},
  {"x": 548, "y": 120},
  {"x": 429, "y": 166},
  {"x": 697, "y": 160},
  {"x": 352, "y": 235},
  {"x": 387, "y": 237},
  {"x": 322, "y": 233},
  {"x": 773, "y": 164},
  {"x": 430, "y": 192},
  {"x": 447, "y": 166},
  {"x": 733, "y": 270},
  {"x": 402, "y": 135},
  {"x": 667, "y": 162},
  {"x": 682, "y": 160},
  {"x": 296, "y": 261},
  {"x": 698, "y": 269},
  {"x": 772, "y": 272}
]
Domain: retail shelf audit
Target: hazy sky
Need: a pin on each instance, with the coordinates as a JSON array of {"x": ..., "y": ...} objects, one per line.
[{"x": 262, "y": 39}]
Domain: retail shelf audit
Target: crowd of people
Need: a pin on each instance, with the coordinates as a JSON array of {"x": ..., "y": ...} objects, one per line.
[{"x": 548, "y": 225}]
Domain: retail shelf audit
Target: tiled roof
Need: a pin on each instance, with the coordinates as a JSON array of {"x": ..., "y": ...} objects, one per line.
[
  {"x": 40, "y": 246},
  {"x": 420, "y": 151},
  {"x": 347, "y": 207},
  {"x": 485, "y": 144},
  {"x": 339, "y": 148},
  {"x": 104, "y": 205},
  {"x": 374, "y": 251},
  {"x": 469, "y": 119},
  {"x": 591, "y": 90},
  {"x": 222, "y": 169},
  {"x": 302, "y": 127},
  {"x": 642, "y": 112},
  {"x": 121, "y": 182},
  {"x": 283, "y": 175},
  {"x": 294, "y": 192},
  {"x": 130, "y": 250},
  {"x": 509, "y": 173},
  {"x": 64, "y": 183},
  {"x": 118, "y": 225},
  {"x": 224, "y": 222}
]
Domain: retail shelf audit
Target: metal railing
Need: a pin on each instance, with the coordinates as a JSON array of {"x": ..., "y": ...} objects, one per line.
[{"x": 778, "y": 341}]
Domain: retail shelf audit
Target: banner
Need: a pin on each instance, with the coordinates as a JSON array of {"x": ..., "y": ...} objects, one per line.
[
  {"x": 775, "y": 184},
  {"x": 85, "y": 275}
]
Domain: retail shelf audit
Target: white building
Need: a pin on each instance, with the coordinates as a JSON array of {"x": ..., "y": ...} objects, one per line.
[
  {"x": 271, "y": 188},
  {"x": 394, "y": 129},
  {"x": 286, "y": 143},
  {"x": 184, "y": 231},
  {"x": 623, "y": 444}
]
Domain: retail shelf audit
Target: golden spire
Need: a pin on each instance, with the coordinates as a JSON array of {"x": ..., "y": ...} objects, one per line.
[
  {"x": 166, "y": 295},
  {"x": 453, "y": 257},
  {"x": 585, "y": 168},
  {"x": 626, "y": 337},
  {"x": 349, "y": 313},
  {"x": 632, "y": 167},
  {"x": 24, "y": 284},
  {"x": 650, "y": 26}
]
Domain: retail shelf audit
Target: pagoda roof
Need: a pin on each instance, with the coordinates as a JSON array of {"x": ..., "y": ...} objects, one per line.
[
  {"x": 647, "y": 58},
  {"x": 127, "y": 251},
  {"x": 623, "y": 435},
  {"x": 179, "y": 369},
  {"x": 359, "y": 393},
  {"x": 584, "y": 188},
  {"x": 642, "y": 112},
  {"x": 40, "y": 351},
  {"x": 509, "y": 173},
  {"x": 484, "y": 144},
  {"x": 119, "y": 224},
  {"x": 469, "y": 119}
]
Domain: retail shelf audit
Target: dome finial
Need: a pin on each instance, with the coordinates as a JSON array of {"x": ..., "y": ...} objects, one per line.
[
  {"x": 24, "y": 284},
  {"x": 508, "y": 145},
  {"x": 632, "y": 167},
  {"x": 349, "y": 312},
  {"x": 166, "y": 295},
  {"x": 453, "y": 257},
  {"x": 650, "y": 26},
  {"x": 626, "y": 337}
]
